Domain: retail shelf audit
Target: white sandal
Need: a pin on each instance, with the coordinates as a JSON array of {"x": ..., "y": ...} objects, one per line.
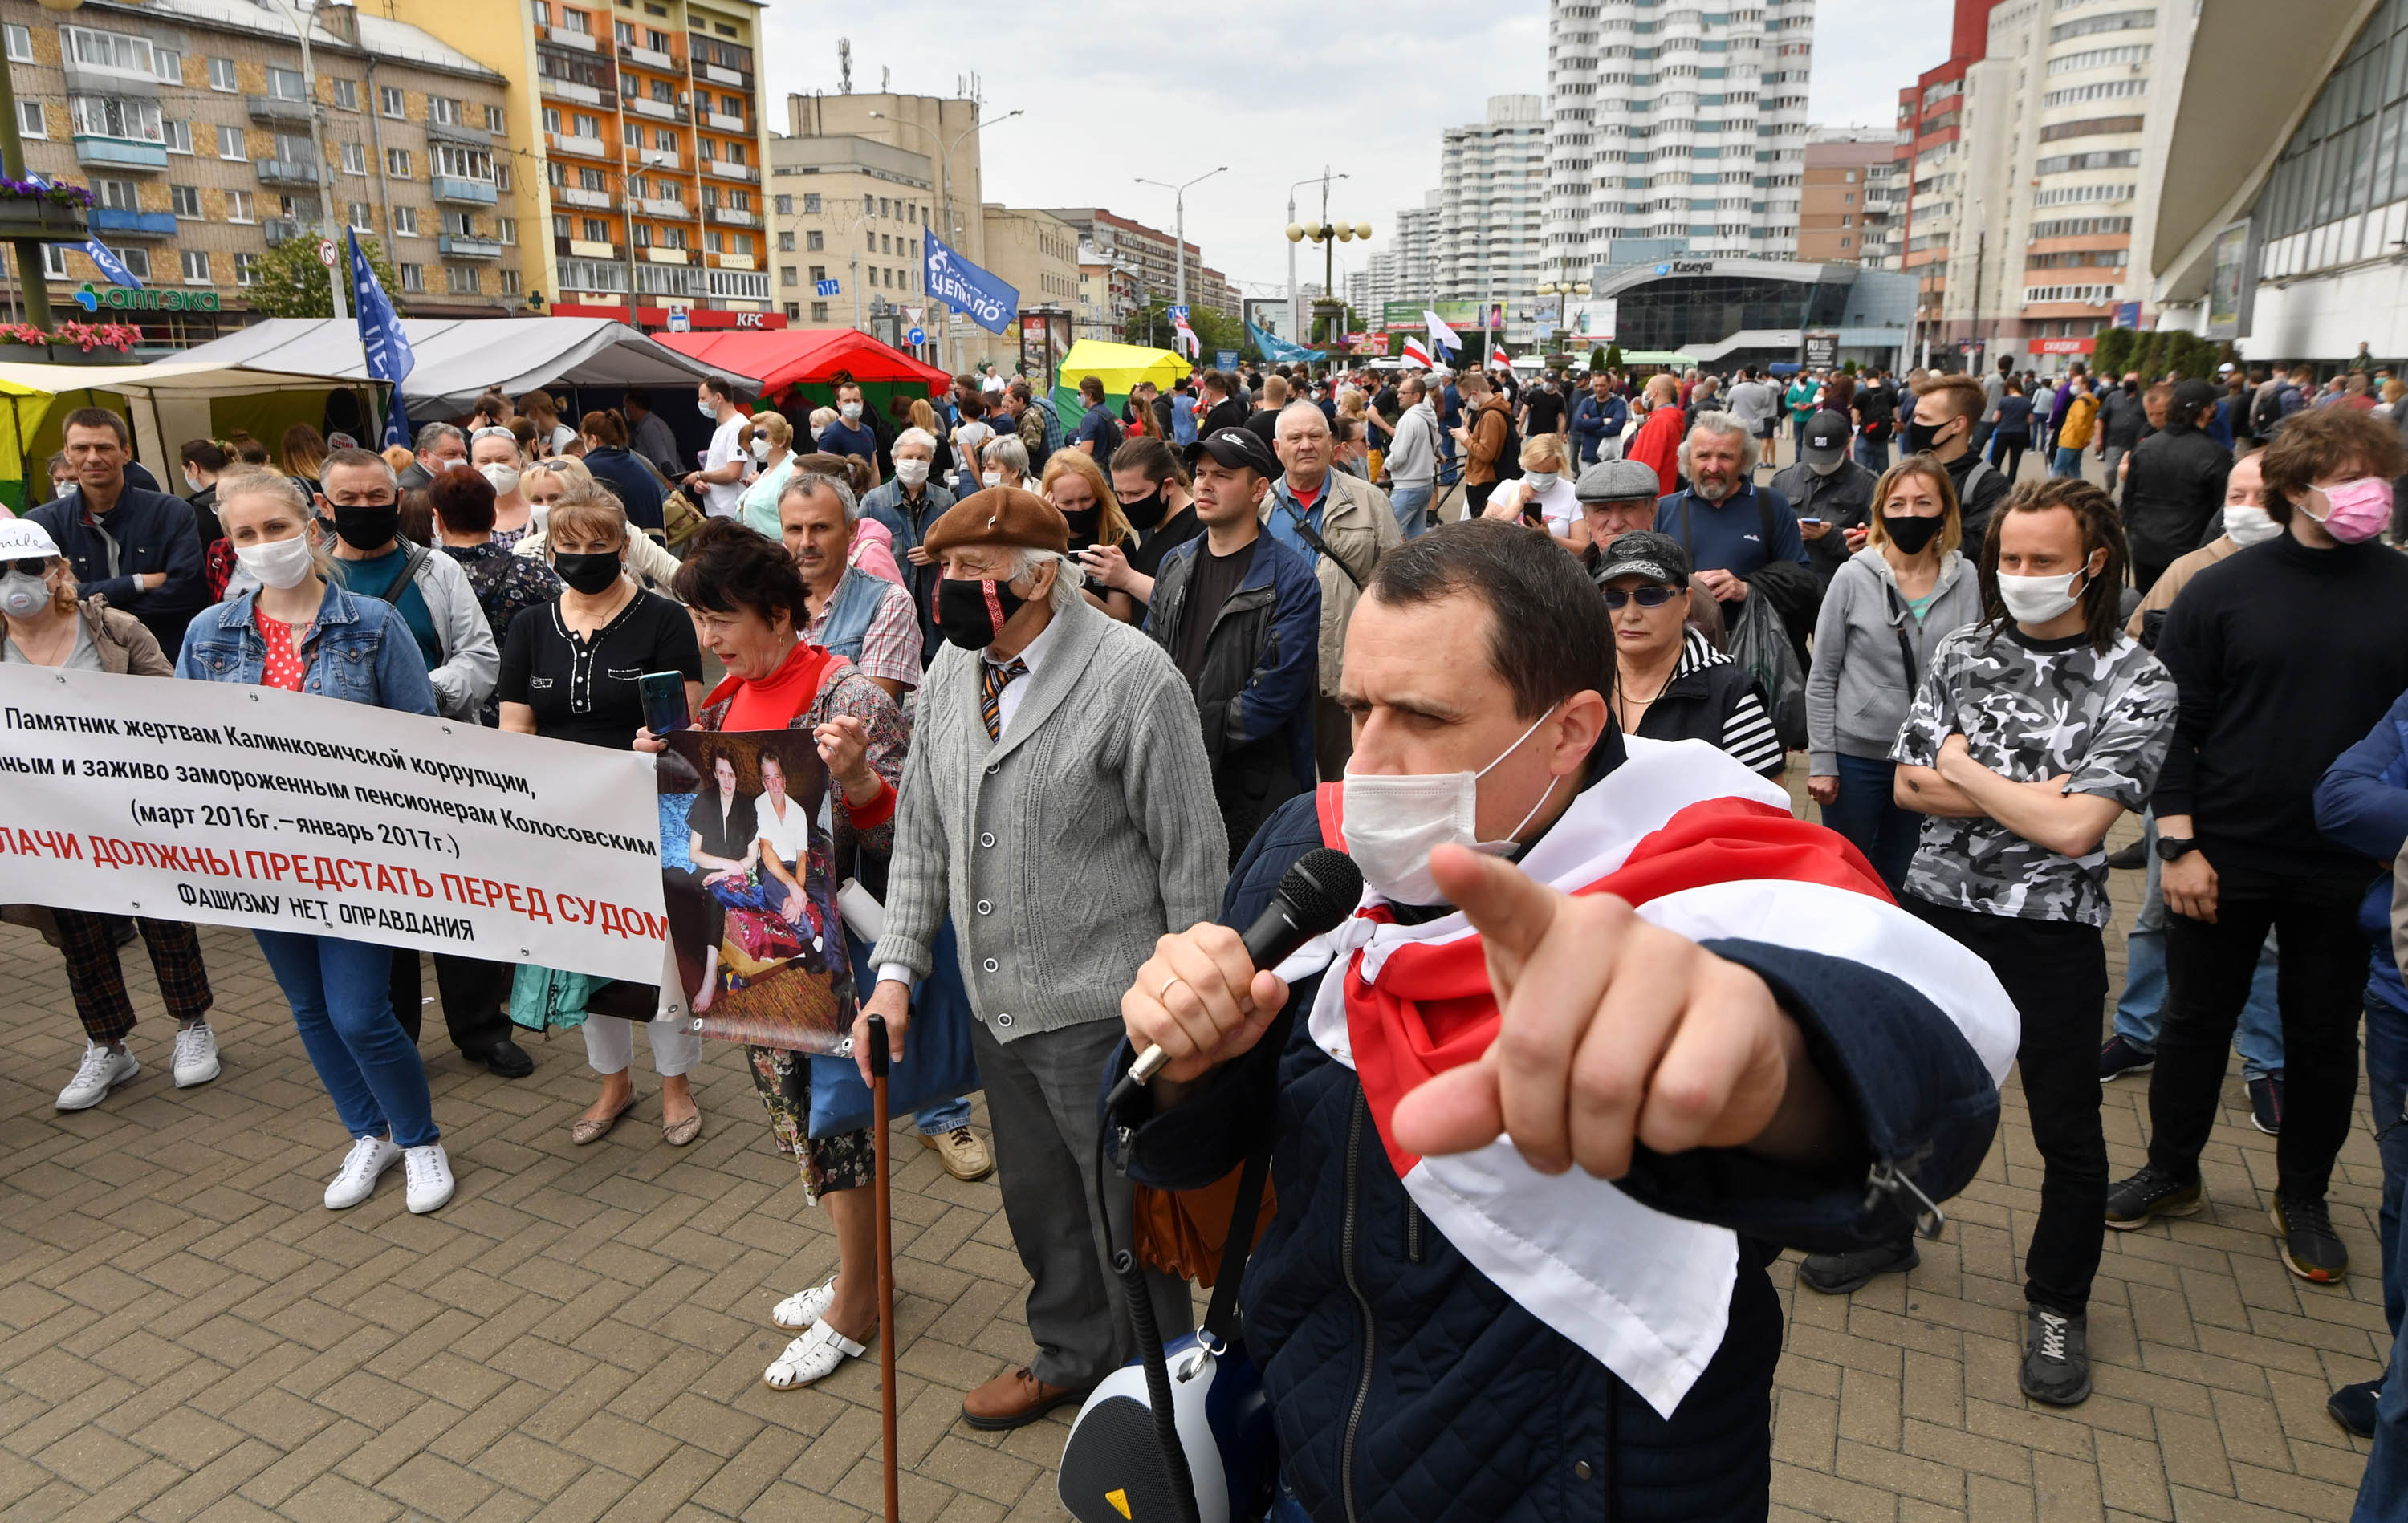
[
  {"x": 797, "y": 1312},
  {"x": 811, "y": 1358}
]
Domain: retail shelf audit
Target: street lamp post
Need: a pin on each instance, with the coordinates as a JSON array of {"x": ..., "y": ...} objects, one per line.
[
  {"x": 337, "y": 274},
  {"x": 1178, "y": 206},
  {"x": 945, "y": 193},
  {"x": 1329, "y": 235},
  {"x": 1295, "y": 233}
]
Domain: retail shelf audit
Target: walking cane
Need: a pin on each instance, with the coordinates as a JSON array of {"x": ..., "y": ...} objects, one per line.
[{"x": 885, "y": 1260}]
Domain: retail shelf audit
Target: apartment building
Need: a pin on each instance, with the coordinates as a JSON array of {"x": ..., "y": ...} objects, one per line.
[
  {"x": 1931, "y": 170},
  {"x": 1036, "y": 252},
  {"x": 1849, "y": 193},
  {"x": 637, "y": 128},
  {"x": 1149, "y": 253},
  {"x": 191, "y": 122},
  {"x": 852, "y": 210},
  {"x": 1675, "y": 125},
  {"x": 1491, "y": 210},
  {"x": 1416, "y": 247}
]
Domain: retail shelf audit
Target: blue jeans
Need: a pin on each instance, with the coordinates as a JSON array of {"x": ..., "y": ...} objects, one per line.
[
  {"x": 1412, "y": 509},
  {"x": 1867, "y": 814},
  {"x": 2386, "y": 1083},
  {"x": 939, "y": 1120},
  {"x": 2066, "y": 464},
  {"x": 340, "y": 991},
  {"x": 1873, "y": 454},
  {"x": 2259, "y": 1036}
]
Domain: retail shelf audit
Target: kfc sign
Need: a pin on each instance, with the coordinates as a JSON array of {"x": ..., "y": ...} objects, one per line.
[{"x": 656, "y": 319}]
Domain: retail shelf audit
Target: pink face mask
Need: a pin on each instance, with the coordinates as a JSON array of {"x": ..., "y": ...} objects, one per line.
[{"x": 2357, "y": 510}]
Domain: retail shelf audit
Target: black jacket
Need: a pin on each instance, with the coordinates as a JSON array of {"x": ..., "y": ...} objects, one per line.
[
  {"x": 1407, "y": 1388},
  {"x": 156, "y": 533},
  {"x": 2122, "y": 420},
  {"x": 2173, "y": 488},
  {"x": 639, "y": 491},
  {"x": 1227, "y": 413},
  {"x": 1988, "y": 485},
  {"x": 1844, "y": 500}
]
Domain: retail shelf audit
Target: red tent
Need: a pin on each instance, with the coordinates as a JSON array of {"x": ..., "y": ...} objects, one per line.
[{"x": 789, "y": 357}]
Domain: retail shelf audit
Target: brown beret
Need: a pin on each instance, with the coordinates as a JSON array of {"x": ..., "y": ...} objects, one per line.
[{"x": 1000, "y": 516}]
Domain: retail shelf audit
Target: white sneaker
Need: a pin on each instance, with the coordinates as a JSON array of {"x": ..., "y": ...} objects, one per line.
[
  {"x": 197, "y": 1055},
  {"x": 362, "y": 1166},
  {"x": 100, "y": 1071},
  {"x": 430, "y": 1177}
]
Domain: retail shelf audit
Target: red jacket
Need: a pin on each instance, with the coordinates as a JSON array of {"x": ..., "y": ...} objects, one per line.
[{"x": 1658, "y": 444}]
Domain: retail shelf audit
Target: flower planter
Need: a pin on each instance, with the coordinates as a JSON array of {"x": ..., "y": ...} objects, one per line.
[
  {"x": 28, "y": 217},
  {"x": 24, "y": 354}
]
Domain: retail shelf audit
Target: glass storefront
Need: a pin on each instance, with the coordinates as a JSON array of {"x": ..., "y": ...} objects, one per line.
[{"x": 1675, "y": 312}]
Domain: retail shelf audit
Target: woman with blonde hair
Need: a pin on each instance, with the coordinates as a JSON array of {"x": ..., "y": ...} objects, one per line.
[
  {"x": 1543, "y": 498},
  {"x": 942, "y": 467},
  {"x": 1074, "y": 483},
  {"x": 771, "y": 439},
  {"x": 549, "y": 482},
  {"x": 305, "y": 452},
  {"x": 1888, "y": 606}
]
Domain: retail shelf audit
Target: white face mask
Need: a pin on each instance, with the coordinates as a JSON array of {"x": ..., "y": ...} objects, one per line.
[
  {"x": 1393, "y": 824},
  {"x": 2249, "y": 525},
  {"x": 278, "y": 564},
  {"x": 1542, "y": 481},
  {"x": 912, "y": 473},
  {"x": 761, "y": 448},
  {"x": 505, "y": 478},
  {"x": 23, "y": 596},
  {"x": 2037, "y": 600},
  {"x": 852, "y": 411},
  {"x": 992, "y": 478},
  {"x": 191, "y": 482}
]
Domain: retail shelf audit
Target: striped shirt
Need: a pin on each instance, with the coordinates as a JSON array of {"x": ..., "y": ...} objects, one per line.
[
  {"x": 890, "y": 648},
  {"x": 1747, "y": 735}
]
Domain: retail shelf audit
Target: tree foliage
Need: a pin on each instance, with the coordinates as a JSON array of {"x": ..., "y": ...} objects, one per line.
[
  {"x": 1614, "y": 357},
  {"x": 1150, "y": 325},
  {"x": 1598, "y": 359},
  {"x": 291, "y": 283}
]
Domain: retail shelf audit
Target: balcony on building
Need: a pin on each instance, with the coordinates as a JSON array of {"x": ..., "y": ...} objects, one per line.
[
  {"x": 458, "y": 132},
  {"x": 118, "y": 152},
  {"x": 729, "y": 217},
  {"x": 660, "y": 158},
  {"x": 280, "y": 231},
  {"x": 733, "y": 262},
  {"x": 572, "y": 196},
  {"x": 722, "y": 169},
  {"x": 718, "y": 75},
  {"x": 582, "y": 41},
  {"x": 662, "y": 205},
  {"x": 127, "y": 224},
  {"x": 456, "y": 245},
  {"x": 666, "y": 63},
  {"x": 286, "y": 172},
  {"x": 588, "y": 248},
  {"x": 723, "y": 122},
  {"x": 479, "y": 192},
  {"x": 657, "y": 110},
  {"x": 669, "y": 256},
  {"x": 278, "y": 111},
  {"x": 591, "y": 148}
]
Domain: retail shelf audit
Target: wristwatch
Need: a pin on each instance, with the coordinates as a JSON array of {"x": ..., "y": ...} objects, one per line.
[{"x": 2174, "y": 847}]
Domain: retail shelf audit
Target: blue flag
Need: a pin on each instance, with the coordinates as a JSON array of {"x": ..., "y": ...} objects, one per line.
[
  {"x": 105, "y": 258},
  {"x": 382, "y": 339},
  {"x": 1278, "y": 351},
  {"x": 964, "y": 287}
]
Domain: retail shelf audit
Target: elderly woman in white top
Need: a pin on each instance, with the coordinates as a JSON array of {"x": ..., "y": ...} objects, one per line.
[
  {"x": 772, "y": 443},
  {"x": 494, "y": 453},
  {"x": 1003, "y": 462},
  {"x": 546, "y": 482}
]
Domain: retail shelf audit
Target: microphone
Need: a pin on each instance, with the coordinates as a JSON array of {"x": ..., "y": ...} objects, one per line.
[{"x": 1319, "y": 889}]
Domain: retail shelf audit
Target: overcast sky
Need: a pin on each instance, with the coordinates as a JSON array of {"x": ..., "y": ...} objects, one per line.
[{"x": 1113, "y": 93}]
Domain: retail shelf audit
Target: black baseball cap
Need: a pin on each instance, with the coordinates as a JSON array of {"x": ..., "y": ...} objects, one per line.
[
  {"x": 1827, "y": 438},
  {"x": 1236, "y": 447},
  {"x": 1644, "y": 553}
]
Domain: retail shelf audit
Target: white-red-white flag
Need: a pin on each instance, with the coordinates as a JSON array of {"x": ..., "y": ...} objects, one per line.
[
  {"x": 1416, "y": 353},
  {"x": 1497, "y": 357}
]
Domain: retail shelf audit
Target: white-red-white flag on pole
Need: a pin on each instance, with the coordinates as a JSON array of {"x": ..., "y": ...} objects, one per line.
[
  {"x": 1416, "y": 353},
  {"x": 1497, "y": 357}
]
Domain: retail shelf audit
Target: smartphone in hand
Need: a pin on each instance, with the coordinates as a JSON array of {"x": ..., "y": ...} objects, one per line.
[{"x": 664, "y": 696}]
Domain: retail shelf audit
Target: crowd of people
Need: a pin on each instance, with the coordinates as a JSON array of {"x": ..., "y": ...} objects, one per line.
[{"x": 1086, "y": 677}]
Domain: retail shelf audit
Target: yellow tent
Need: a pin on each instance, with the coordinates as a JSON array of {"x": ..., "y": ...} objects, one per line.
[{"x": 1119, "y": 366}]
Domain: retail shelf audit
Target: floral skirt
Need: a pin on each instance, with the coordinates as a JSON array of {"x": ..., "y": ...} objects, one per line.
[{"x": 844, "y": 1161}]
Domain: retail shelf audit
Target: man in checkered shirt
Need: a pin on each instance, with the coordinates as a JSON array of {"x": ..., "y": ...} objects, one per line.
[{"x": 866, "y": 620}]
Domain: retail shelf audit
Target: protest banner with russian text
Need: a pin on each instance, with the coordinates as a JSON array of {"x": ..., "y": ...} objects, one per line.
[{"x": 251, "y": 807}]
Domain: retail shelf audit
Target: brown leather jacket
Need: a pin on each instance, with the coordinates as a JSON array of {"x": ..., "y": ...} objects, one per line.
[
  {"x": 126, "y": 647},
  {"x": 1490, "y": 422}
]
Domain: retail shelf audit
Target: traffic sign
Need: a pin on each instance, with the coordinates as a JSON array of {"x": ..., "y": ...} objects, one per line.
[
  {"x": 679, "y": 320},
  {"x": 1178, "y": 314},
  {"x": 326, "y": 252},
  {"x": 915, "y": 338},
  {"x": 824, "y": 288}
]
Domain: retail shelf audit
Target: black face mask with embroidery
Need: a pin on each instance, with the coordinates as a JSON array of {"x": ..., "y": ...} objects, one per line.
[{"x": 973, "y": 613}]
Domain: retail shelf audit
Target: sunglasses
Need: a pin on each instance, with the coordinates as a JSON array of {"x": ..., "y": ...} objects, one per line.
[
  {"x": 1646, "y": 597},
  {"x": 30, "y": 565}
]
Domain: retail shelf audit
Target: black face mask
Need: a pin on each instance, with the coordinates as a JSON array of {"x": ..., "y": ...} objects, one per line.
[
  {"x": 368, "y": 526},
  {"x": 1082, "y": 525},
  {"x": 963, "y": 615},
  {"x": 1921, "y": 437},
  {"x": 1145, "y": 513},
  {"x": 1910, "y": 532},
  {"x": 589, "y": 573}
]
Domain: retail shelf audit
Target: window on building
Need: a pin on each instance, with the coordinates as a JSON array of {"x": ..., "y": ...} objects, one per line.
[
  {"x": 624, "y": 32},
  {"x": 196, "y": 266},
  {"x": 811, "y": 207},
  {"x": 230, "y": 144},
  {"x": 663, "y": 138},
  {"x": 396, "y": 163},
  {"x": 117, "y": 194},
  {"x": 502, "y": 175},
  {"x": 136, "y": 262},
  {"x": 455, "y": 161},
  {"x": 185, "y": 200},
  {"x": 355, "y": 158},
  {"x": 413, "y": 277},
  {"x": 246, "y": 269},
  {"x": 180, "y": 136},
  {"x": 405, "y": 222},
  {"x": 54, "y": 261},
  {"x": 461, "y": 280},
  {"x": 443, "y": 109},
  {"x": 168, "y": 64},
  {"x": 460, "y": 224},
  {"x": 239, "y": 207},
  {"x": 785, "y": 243},
  {"x": 20, "y": 43},
  {"x": 506, "y": 229},
  {"x": 507, "y": 282},
  {"x": 786, "y": 276},
  {"x": 30, "y": 123},
  {"x": 118, "y": 50},
  {"x": 794, "y": 311},
  {"x": 287, "y": 84},
  {"x": 361, "y": 217},
  {"x": 124, "y": 118},
  {"x": 587, "y": 126},
  {"x": 222, "y": 76},
  {"x": 589, "y": 179},
  {"x": 346, "y": 94},
  {"x": 819, "y": 273},
  {"x": 635, "y": 133},
  {"x": 560, "y": 227},
  {"x": 388, "y": 101},
  {"x": 819, "y": 311},
  {"x": 497, "y": 120},
  {"x": 552, "y": 119},
  {"x": 814, "y": 240}
]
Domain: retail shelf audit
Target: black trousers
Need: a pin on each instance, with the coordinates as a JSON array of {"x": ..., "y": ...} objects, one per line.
[
  {"x": 1475, "y": 497},
  {"x": 2055, "y": 973},
  {"x": 2316, "y": 987},
  {"x": 475, "y": 995}
]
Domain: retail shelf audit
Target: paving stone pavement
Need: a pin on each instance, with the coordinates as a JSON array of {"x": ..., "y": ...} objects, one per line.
[{"x": 187, "y": 1334}]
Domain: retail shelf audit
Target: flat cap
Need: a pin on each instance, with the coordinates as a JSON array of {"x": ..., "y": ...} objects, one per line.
[
  {"x": 1000, "y": 516},
  {"x": 1617, "y": 481}
]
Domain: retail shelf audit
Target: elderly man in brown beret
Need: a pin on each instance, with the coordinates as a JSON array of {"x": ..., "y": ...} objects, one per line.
[{"x": 1059, "y": 806}]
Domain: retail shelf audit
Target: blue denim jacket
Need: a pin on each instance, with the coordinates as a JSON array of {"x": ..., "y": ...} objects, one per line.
[{"x": 358, "y": 649}]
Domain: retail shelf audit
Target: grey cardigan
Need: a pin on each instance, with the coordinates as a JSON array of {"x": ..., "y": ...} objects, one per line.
[
  {"x": 1065, "y": 849},
  {"x": 1859, "y": 689}
]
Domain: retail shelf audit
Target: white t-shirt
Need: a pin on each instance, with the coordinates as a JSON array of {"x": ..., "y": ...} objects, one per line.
[
  {"x": 790, "y": 837},
  {"x": 1557, "y": 504},
  {"x": 727, "y": 444}
]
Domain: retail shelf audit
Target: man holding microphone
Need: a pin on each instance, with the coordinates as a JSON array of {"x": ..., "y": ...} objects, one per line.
[{"x": 1536, "y": 1142}]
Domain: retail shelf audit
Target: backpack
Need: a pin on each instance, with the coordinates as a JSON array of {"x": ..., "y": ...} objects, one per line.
[
  {"x": 1108, "y": 441},
  {"x": 1509, "y": 454},
  {"x": 2266, "y": 413},
  {"x": 1053, "y": 435}
]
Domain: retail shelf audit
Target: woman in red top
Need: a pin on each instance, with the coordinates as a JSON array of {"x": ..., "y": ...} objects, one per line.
[{"x": 748, "y": 603}]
